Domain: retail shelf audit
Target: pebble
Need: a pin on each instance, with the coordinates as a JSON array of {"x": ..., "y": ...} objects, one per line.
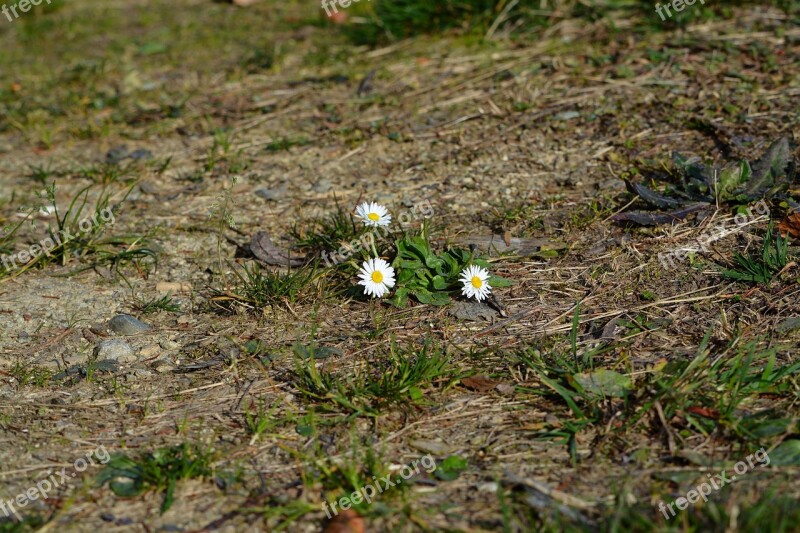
[
  {"x": 173, "y": 287},
  {"x": 323, "y": 186},
  {"x": 430, "y": 446},
  {"x": 150, "y": 350},
  {"x": 115, "y": 350},
  {"x": 127, "y": 325},
  {"x": 272, "y": 194}
]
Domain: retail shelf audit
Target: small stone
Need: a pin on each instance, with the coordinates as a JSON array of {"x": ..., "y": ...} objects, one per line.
[
  {"x": 430, "y": 446},
  {"x": 127, "y": 325},
  {"x": 323, "y": 186},
  {"x": 173, "y": 287},
  {"x": 272, "y": 194},
  {"x": 471, "y": 310},
  {"x": 150, "y": 350},
  {"x": 116, "y": 155},
  {"x": 115, "y": 350},
  {"x": 170, "y": 345},
  {"x": 141, "y": 153},
  {"x": 490, "y": 487},
  {"x": 505, "y": 388},
  {"x": 163, "y": 369}
]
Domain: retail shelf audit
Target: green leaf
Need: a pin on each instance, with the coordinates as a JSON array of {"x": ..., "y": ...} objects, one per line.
[
  {"x": 604, "y": 383},
  {"x": 787, "y": 454},
  {"x": 768, "y": 170},
  {"x": 498, "y": 282},
  {"x": 451, "y": 468},
  {"x": 400, "y": 298},
  {"x": 731, "y": 178},
  {"x": 415, "y": 393},
  {"x": 431, "y": 298},
  {"x": 303, "y": 430},
  {"x": 439, "y": 283}
]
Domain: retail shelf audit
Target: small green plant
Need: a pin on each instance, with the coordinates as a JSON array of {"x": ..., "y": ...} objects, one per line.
[
  {"x": 761, "y": 267},
  {"x": 429, "y": 277},
  {"x": 222, "y": 152},
  {"x": 326, "y": 233},
  {"x": 260, "y": 422},
  {"x": 451, "y": 467},
  {"x": 28, "y": 524},
  {"x": 78, "y": 234},
  {"x": 259, "y": 288},
  {"x": 163, "y": 303},
  {"x": 286, "y": 143},
  {"x": 157, "y": 471},
  {"x": 692, "y": 186},
  {"x": 221, "y": 214},
  {"x": 400, "y": 379},
  {"x": 27, "y": 374}
]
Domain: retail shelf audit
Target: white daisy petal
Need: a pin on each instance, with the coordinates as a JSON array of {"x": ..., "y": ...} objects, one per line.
[
  {"x": 373, "y": 214},
  {"x": 475, "y": 282},
  {"x": 377, "y": 277}
]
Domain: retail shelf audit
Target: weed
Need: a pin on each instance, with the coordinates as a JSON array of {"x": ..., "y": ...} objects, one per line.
[
  {"x": 260, "y": 422},
  {"x": 400, "y": 380},
  {"x": 259, "y": 288},
  {"x": 164, "y": 303},
  {"x": 27, "y": 374},
  {"x": 157, "y": 471},
  {"x": 222, "y": 152},
  {"x": 326, "y": 233},
  {"x": 761, "y": 267},
  {"x": 78, "y": 234},
  {"x": 428, "y": 277},
  {"x": 285, "y": 143}
]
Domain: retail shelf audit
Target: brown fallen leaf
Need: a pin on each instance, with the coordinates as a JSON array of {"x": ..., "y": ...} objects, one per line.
[
  {"x": 264, "y": 249},
  {"x": 506, "y": 243},
  {"x": 704, "y": 412},
  {"x": 347, "y": 521},
  {"x": 479, "y": 383},
  {"x": 790, "y": 225}
]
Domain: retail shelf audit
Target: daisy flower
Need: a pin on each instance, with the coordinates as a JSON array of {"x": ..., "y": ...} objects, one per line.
[
  {"x": 377, "y": 277},
  {"x": 373, "y": 214},
  {"x": 475, "y": 284}
]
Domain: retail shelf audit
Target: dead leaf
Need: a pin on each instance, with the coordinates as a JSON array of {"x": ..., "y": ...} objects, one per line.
[
  {"x": 506, "y": 243},
  {"x": 348, "y": 521},
  {"x": 704, "y": 411},
  {"x": 790, "y": 225},
  {"x": 471, "y": 310},
  {"x": 506, "y": 389},
  {"x": 264, "y": 249},
  {"x": 479, "y": 383}
]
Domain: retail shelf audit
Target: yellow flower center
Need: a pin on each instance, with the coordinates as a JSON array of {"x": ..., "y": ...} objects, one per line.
[
  {"x": 374, "y": 217},
  {"x": 476, "y": 282},
  {"x": 377, "y": 277}
]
